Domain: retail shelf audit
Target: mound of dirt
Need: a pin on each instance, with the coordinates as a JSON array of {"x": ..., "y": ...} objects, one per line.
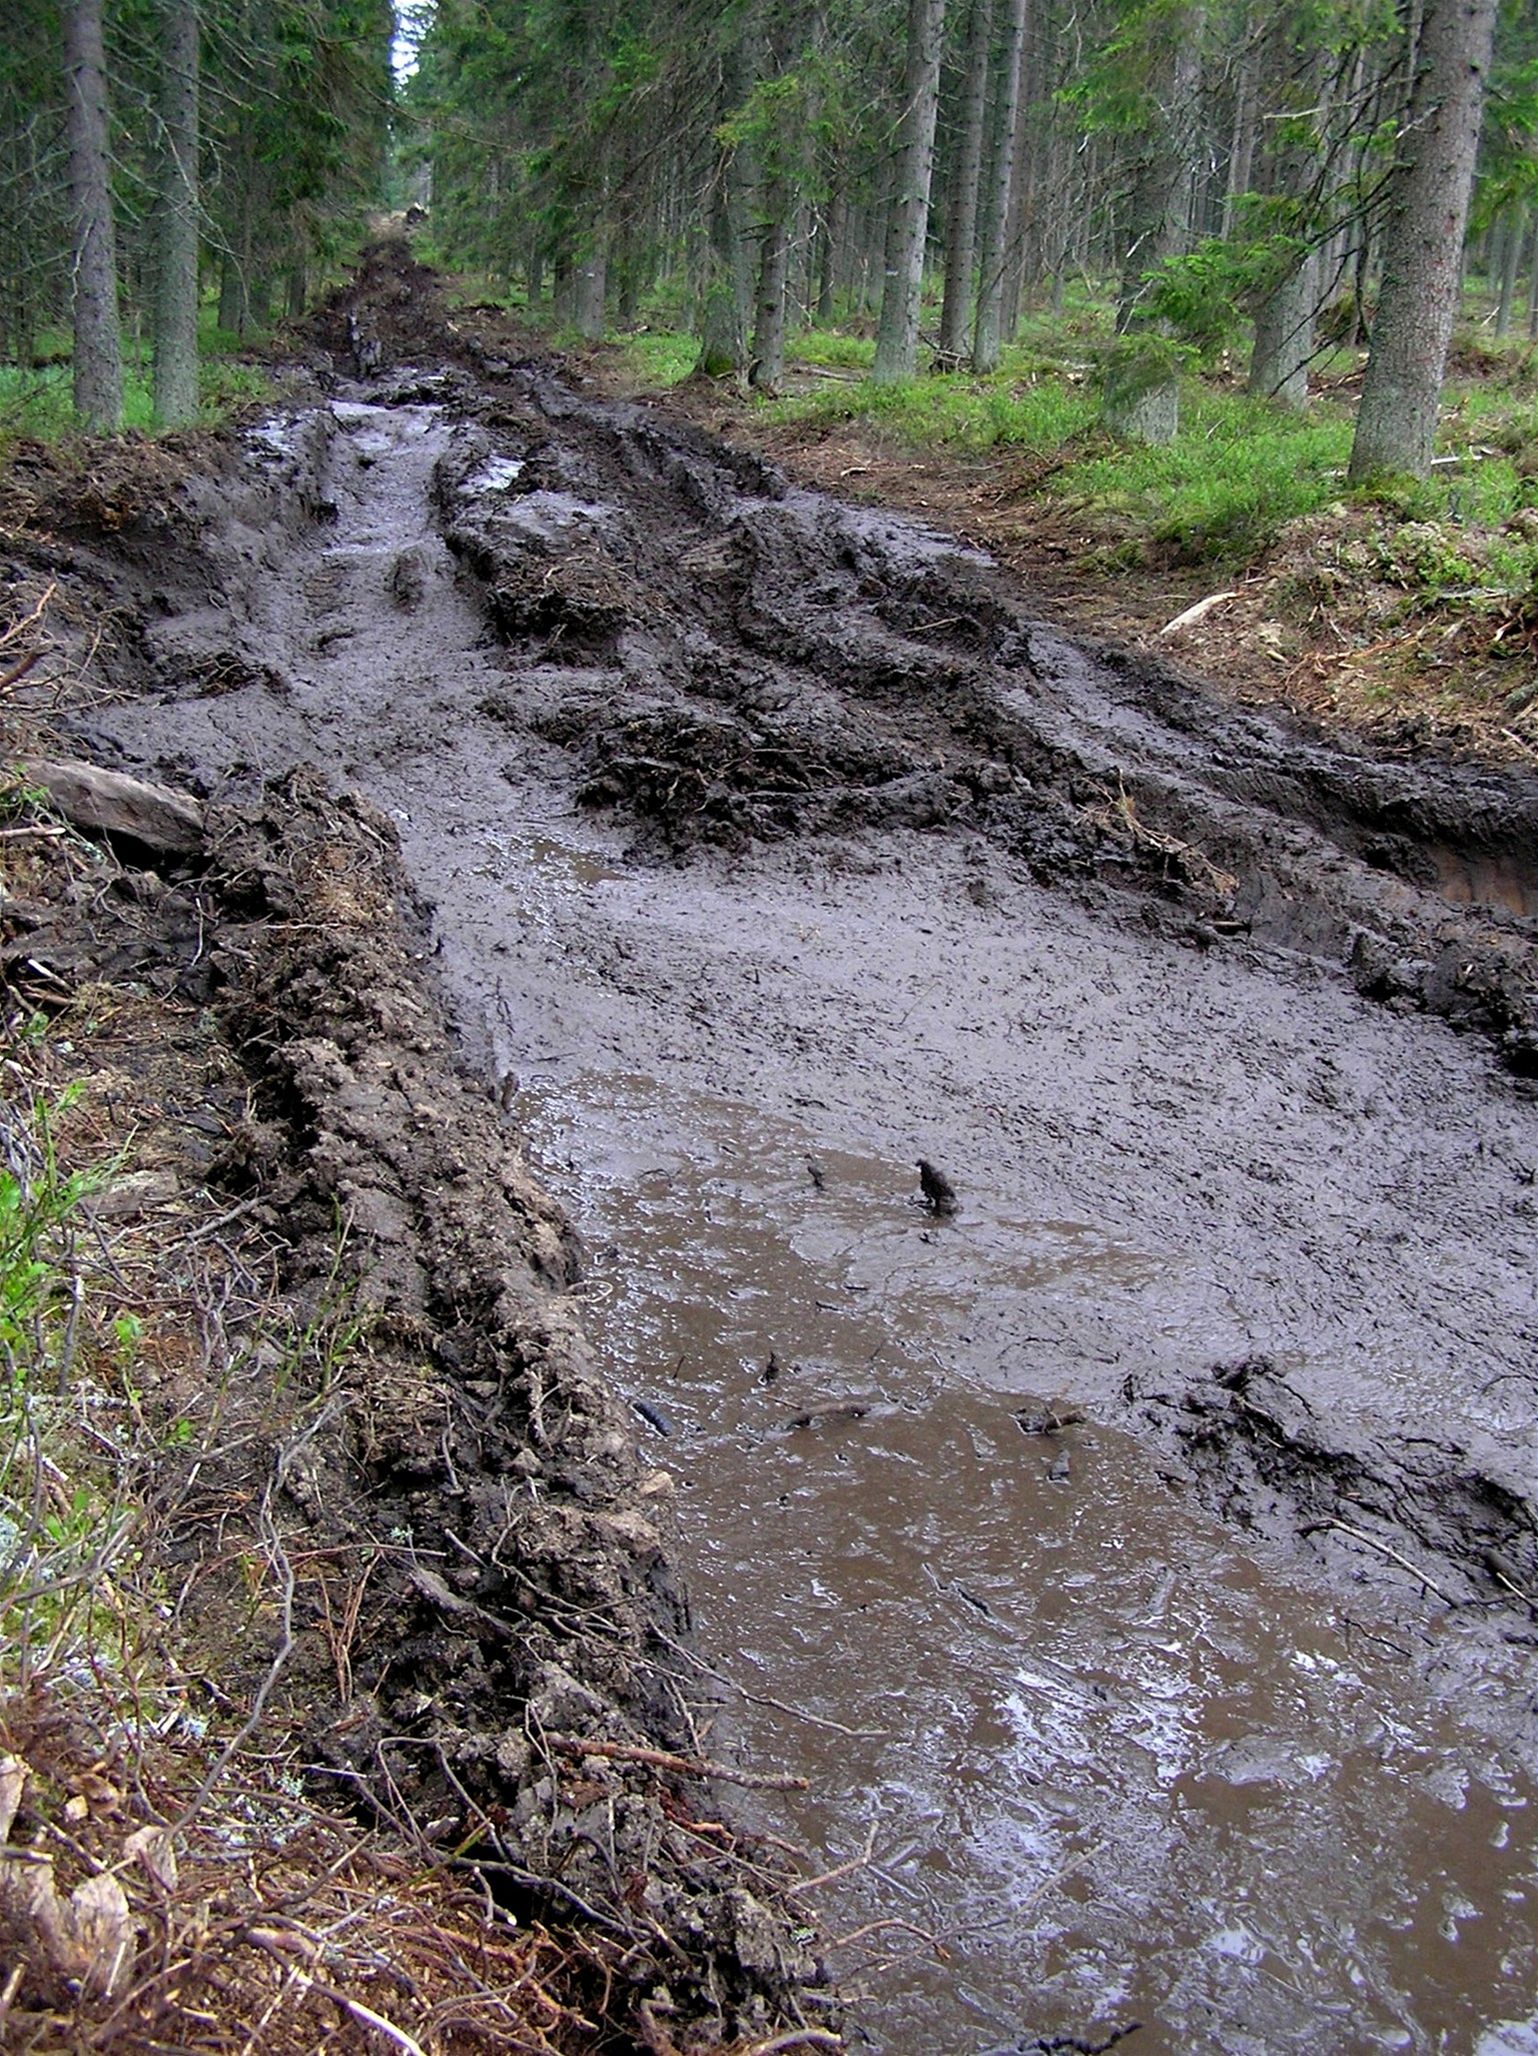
[
  {"x": 512, "y": 1692},
  {"x": 519, "y": 1683},
  {"x": 1264, "y": 1457},
  {"x": 728, "y": 658}
]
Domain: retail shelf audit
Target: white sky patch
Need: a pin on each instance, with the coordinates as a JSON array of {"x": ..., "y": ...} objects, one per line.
[{"x": 413, "y": 18}]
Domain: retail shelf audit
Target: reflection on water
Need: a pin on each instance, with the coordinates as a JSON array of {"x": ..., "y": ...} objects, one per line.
[{"x": 1116, "y": 1770}]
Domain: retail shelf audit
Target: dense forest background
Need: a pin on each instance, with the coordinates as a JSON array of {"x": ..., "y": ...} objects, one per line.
[
  {"x": 1263, "y": 182},
  {"x": 175, "y": 166}
]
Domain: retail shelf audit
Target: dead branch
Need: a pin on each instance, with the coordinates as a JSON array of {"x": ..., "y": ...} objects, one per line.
[
  {"x": 798, "y": 2038},
  {"x": 680, "y": 1766},
  {"x": 1383, "y": 1549}
]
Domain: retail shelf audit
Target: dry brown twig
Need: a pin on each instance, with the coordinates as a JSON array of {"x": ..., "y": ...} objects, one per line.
[
  {"x": 680, "y": 1766},
  {"x": 1119, "y": 814}
]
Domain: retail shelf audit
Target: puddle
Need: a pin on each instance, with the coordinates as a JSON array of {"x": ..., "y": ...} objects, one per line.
[
  {"x": 1115, "y": 1769},
  {"x": 495, "y": 475},
  {"x": 516, "y": 853}
]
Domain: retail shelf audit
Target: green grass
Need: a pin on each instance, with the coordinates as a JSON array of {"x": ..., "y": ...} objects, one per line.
[
  {"x": 40, "y": 404},
  {"x": 1237, "y": 471},
  {"x": 63, "y": 1525},
  {"x": 662, "y": 357},
  {"x": 833, "y": 348}
]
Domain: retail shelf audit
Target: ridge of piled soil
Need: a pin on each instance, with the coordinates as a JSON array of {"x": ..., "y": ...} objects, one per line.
[
  {"x": 519, "y": 1650},
  {"x": 520, "y": 1701}
]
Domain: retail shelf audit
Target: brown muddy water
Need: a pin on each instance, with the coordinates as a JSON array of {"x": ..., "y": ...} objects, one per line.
[{"x": 1101, "y": 1726}]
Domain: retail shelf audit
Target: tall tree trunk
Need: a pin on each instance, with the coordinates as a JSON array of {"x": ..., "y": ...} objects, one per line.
[
  {"x": 961, "y": 229},
  {"x": 563, "y": 304},
  {"x": 768, "y": 366},
  {"x": 232, "y": 295},
  {"x": 590, "y": 285},
  {"x": 98, "y": 366},
  {"x": 1025, "y": 191},
  {"x": 725, "y": 300},
  {"x": 832, "y": 237},
  {"x": 235, "y": 268},
  {"x": 1159, "y": 208},
  {"x": 1285, "y": 315},
  {"x": 1000, "y": 194},
  {"x": 897, "y": 336},
  {"x": 1142, "y": 401},
  {"x": 1284, "y": 336},
  {"x": 176, "y": 238},
  {"x": 1241, "y": 149},
  {"x": 1423, "y": 248},
  {"x": 1516, "y": 244}
]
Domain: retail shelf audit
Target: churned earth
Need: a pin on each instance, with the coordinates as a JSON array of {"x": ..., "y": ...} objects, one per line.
[{"x": 1138, "y": 1562}]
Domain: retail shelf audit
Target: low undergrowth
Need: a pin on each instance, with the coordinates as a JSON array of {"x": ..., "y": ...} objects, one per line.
[{"x": 36, "y": 399}]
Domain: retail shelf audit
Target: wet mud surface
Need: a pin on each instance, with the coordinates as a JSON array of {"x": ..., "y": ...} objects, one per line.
[{"x": 1146, "y": 1552}]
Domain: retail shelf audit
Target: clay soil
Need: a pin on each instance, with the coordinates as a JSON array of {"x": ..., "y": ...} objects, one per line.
[
  {"x": 1327, "y": 620},
  {"x": 1298, "y": 971}
]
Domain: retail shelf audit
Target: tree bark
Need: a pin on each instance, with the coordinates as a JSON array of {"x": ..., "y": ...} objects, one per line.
[
  {"x": 832, "y": 236},
  {"x": 961, "y": 229},
  {"x": 1284, "y": 336},
  {"x": 1516, "y": 244},
  {"x": 1001, "y": 192},
  {"x": 1423, "y": 246},
  {"x": 1285, "y": 316},
  {"x": 1160, "y": 205},
  {"x": 897, "y": 336},
  {"x": 234, "y": 306},
  {"x": 1241, "y": 149},
  {"x": 724, "y": 302},
  {"x": 768, "y": 365},
  {"x": 1142, "y": 402},
  {"x": 98, "y": 365},
  {"x": 176, "y": 240},
  {"x": 590, "y": 285}
]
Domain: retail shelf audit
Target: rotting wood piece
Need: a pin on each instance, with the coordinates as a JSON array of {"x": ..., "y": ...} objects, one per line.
[{"x": 101, "y": 802}]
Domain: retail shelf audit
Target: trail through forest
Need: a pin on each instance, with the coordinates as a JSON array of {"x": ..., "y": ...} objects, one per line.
[{"x": 1151, "y": 1542}]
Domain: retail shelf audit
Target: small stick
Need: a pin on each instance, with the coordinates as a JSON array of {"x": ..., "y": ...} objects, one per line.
[
  {"x": 801, "y": 2038},
  {"x": 682, "y": 1766},
  {"x": 1372, "y": 1542},
  {"x": 12, "y": 1987},
  {"x": 19, "y": 671},
  {"x": 277, "y": 1944},
  {"x": 29, "y": 620},
  {"x": 907, "y": 1927},
  {"x": 829, "y": 1877}
]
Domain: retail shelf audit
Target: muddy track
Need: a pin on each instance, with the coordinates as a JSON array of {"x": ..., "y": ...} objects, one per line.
[{"x": 757, "y": 829}]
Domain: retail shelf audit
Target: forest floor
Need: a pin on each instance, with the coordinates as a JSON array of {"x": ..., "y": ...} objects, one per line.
[
  {"x": 1411, "y": 620},
  {"x": 579, "y": 820}
]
